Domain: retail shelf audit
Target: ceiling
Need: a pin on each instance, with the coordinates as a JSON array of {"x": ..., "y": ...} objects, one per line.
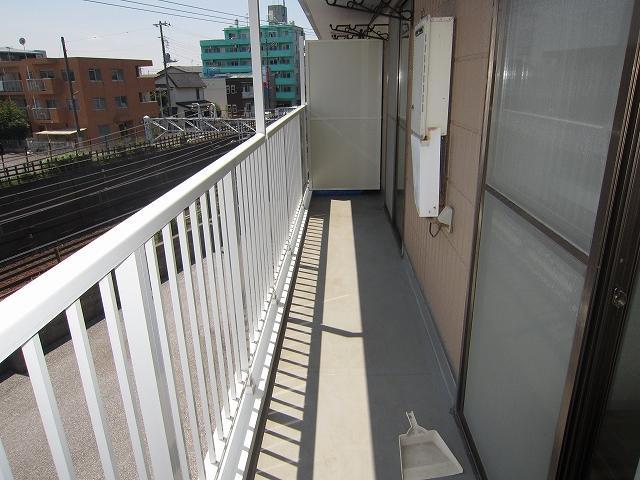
[{"x": 321, "y": 15}]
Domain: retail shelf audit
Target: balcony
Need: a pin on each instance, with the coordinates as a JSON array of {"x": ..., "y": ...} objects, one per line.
[
  {"x": 282, "y": 68},
  {"x": 285, "y": 52},
  {"x": 239, "y": 326},
  {"x": 222, "y": 70},
  {"x": 286, "y": 81},
  {"x": 10, "y": 86},
  {"x": 286, "y": 95},
  {"x": 226, "y": 56},
  {"x": 223, "y": 42},
  {"x": 45, "y": 115},
  {"x": 174, "y": 346},
  {"x": 330, "y": 377},
  {"x": 42, "y": 85}
]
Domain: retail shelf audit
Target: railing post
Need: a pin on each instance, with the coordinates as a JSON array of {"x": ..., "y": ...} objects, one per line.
[
  {"x": 142, "y": 334},
  {"x": 147, "y": 129},
  {"x": 48, "y": 407},
  {"x": 5, "y": 469},
  {"x": 256, "y": 64},
  {"x": 302, "y": 74}
]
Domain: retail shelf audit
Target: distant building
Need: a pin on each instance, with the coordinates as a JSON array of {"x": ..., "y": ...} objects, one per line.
[
  {"x": 8, "y": 54},
  {"x": 186, "y": 89},
  {"x": 280, "y": 52},
  {"x": 240, "y": 101},
  {"x": 110, "y": 94},
  {"x": 214, "y": 90},
  {"x": 276, "y": 14}
]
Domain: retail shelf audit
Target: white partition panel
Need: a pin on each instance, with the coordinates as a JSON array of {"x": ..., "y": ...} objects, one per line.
[{"x": 345, "y": 109}]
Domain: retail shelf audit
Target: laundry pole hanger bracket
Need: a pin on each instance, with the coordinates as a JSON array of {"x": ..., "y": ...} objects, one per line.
[
  {"x": 348, "y": 31},
  {"x": 384, "y": 8}
]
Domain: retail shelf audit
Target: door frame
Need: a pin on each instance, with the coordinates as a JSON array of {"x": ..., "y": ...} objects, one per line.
[
  {"x": 623, "y": 148},
  {"x": 604, "y": 331},
  {"x": 391, "y": 209}
]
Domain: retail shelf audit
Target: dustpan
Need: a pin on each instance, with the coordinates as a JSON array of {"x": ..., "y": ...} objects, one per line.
[{"x": 424, "y": 455}]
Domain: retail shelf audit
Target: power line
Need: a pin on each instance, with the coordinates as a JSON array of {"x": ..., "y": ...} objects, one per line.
[
  {"x": 98, "y": 37},
  {"x": 199, "y": 8},
  {"x": 153, "y": 11},
  {"x": 181, "y": 14},
  {"x": 234, "y": 15},
  {"x": 174, "y": 9}
]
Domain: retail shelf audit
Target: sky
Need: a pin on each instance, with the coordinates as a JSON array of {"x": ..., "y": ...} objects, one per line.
[{"x": 97, "y": 30}]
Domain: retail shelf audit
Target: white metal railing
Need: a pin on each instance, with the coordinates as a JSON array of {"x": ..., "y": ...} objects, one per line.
[
  {"x": 239, "y": 219},
  {"x": 10, "y": 86},
  {"x": 44, "y": 113},
  {"x": 159, "y": 128},
  {"x": 39, "y": 84}
]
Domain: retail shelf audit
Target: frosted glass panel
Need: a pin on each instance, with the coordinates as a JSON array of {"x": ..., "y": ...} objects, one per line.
[
  {"x": 527, "y": 297},
  {"x": 558, "y": 77}
]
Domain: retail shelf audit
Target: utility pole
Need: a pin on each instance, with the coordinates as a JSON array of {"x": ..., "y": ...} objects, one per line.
[
  {"x": 73, "y": 100},
  {"x": 161, "y": 24}
]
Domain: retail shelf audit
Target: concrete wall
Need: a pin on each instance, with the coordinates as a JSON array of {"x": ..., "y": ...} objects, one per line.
[{"x": 443, "y": 264}]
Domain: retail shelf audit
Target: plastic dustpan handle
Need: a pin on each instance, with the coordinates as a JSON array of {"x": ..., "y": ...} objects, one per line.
[{"x": 412, "y": 420}]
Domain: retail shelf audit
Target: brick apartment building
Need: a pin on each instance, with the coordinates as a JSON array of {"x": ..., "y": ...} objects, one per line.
[{"x": 110, "y": 94}]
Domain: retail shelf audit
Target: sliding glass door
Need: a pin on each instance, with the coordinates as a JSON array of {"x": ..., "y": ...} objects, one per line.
[{"x": 558, "y": 72}]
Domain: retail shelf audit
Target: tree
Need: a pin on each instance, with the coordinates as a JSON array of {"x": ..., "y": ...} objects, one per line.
[{"x": 13, "y": 122}]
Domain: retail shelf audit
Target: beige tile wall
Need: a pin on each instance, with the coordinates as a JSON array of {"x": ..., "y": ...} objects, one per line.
[{"x": 443, "y": 263}]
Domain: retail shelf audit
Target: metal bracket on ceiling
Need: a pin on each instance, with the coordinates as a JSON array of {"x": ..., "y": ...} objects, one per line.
[
  {"x": 384, "y": 8},
  {"x": 348, "y": 31}
]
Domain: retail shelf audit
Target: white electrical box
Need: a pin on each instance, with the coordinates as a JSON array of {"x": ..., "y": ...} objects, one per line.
[{"x": 432, "y": 50}]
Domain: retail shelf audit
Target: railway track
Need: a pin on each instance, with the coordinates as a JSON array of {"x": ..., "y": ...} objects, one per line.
[
  {"x": 17, "y": 271},
  {"x": 14, "y": 274}
]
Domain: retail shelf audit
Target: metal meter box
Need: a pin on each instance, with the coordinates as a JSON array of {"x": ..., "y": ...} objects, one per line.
[{"x": 432, "y": 50}]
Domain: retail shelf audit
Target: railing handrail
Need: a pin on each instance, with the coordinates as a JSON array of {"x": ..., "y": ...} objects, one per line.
[{"x": 28, "y": 310}]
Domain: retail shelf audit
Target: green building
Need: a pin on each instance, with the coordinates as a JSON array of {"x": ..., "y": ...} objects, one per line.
[{"x": 279, "y": 45}]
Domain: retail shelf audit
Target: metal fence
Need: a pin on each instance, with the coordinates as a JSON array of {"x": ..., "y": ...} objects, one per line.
[{"x": 50, "y": 158}]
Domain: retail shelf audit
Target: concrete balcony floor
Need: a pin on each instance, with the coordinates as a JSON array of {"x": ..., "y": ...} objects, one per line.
[{"x": 355, "y": 356}]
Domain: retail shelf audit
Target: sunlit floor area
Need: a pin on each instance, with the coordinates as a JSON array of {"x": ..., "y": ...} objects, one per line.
[{"x": 355, "y": 355}]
